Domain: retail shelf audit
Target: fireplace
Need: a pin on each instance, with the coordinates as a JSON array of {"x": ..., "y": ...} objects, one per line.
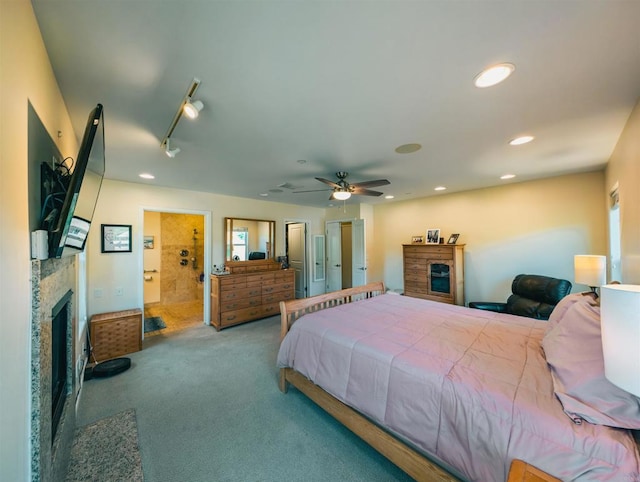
[
  {"x": 53, "y": 384},
  {"x": 59, "y": 322}
]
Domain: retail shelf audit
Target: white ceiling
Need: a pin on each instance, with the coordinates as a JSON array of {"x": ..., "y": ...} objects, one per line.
[{"x": 342, "y": 84}]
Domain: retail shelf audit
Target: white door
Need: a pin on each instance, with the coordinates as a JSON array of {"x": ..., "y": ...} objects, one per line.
[
  {"x": 358, "y": 253},
  {"x": 334, "y": 257},
  {"x": 296, "y": 249}
]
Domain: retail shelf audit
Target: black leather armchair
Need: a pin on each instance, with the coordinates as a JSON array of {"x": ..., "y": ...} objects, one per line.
[{"x": 534, "y": 296}]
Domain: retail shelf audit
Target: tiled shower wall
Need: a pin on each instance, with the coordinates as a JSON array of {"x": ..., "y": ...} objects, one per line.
[{"x": 181, "y": 283}]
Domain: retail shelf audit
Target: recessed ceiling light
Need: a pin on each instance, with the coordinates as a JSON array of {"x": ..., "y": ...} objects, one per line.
[
  {"x": 301, "y": 161},
  {"x": 494, "y": 75},
  {"x": 518, "y": 141},
  {"x": 440, "y": 188},
  {"x": 389, "y": 196},
  {"x": 146, "y": 175},
  {"x": 408, "y": 148},
  {"x": 264, "y": 194},
  {"x": 508, "y": 176}
]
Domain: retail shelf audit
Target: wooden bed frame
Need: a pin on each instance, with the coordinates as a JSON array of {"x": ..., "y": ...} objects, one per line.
[
  {"x": 414, "y": 463},
  {"x": 407, "y": 458}
]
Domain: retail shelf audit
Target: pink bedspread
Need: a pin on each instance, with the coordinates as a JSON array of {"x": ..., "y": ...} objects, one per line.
[{"x": 470, "y": 387}]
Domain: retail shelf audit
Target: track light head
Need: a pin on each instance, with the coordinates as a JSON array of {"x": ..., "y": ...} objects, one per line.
[
  {"x": 192, "y": 108},
  {"x": 170, "y": 152}
]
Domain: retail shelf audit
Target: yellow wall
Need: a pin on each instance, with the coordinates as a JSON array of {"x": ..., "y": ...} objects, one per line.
[
  {"x": 25, "y": 76},
  {"x": 624, "y": 169},
  {"x": 529, "y": 227},
  {"x": 124, "y": 203}
]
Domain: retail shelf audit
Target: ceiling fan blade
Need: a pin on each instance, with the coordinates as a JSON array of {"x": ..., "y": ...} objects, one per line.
[
  {"x": 312, "y": 190},
  {"x": 365, "y": 192},
  {"x": 376, "y": 183},
  {"x": 330, "y": 183}
]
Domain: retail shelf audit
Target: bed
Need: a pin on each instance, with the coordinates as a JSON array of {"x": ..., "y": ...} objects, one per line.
[{"x": 447, "y": 392}]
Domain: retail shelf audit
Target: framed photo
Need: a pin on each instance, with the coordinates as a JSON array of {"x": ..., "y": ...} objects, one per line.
[
  {"x": 453, "y": 239},
  {"x": 417, "y": 239},
  {"x": 116, "y": 238},
  {"x": 433, "y": 236},
  {"x": 148, "y": 242}
]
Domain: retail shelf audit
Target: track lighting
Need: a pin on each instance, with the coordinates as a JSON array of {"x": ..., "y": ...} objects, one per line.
[
  {"x": 192, "y": 108},
  {"x": 188, "y": 107},
  {"x": 170, "y": 152}
]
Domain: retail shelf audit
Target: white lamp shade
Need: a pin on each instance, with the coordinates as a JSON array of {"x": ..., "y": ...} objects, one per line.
[
  {"x": 620, "y": 323},
  {"x": 341, "y": 195},
  {"x": 590, "y": 270}
]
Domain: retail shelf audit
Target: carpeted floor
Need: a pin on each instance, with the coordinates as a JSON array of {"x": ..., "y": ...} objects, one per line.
[
  {"x": 208, "y": 409},
  {"x": 107, "y": 450}
]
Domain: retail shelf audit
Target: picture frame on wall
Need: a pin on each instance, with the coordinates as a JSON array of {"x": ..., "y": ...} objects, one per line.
[
  {"x": 116, "y": 238},
  {"x": 417, "y": 239},
  {"x": 453, "y": 239},
  {"x": 433, "y": 236},
  {"x": 148, "y": 242}
]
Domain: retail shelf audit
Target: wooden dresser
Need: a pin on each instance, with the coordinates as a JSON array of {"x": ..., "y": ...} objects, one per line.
[
  {"x": 434, "y": 272},
  {"x": 250, "y": 292}
]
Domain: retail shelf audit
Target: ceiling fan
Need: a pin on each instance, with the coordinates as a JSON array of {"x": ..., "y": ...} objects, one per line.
[{"x": 342, "y": 190}]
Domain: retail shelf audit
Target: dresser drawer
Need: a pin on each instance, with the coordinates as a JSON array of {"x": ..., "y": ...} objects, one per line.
[
  {"x": 412, "y": 264},
  {"x": 415, "y": 276},
  {"x": 232, "y": 283},
  {"x": 239, "y": 294},
  {"x": 238, "y": 316},
  {"x": 241, "y": 303},
  {"x": 270, "y": 309},
  {"x": 277, "y": 287},
  {"x": 262, "y": 277},
  {"x": 284, "y": 275},
  {"x": 277, "y": 297}
]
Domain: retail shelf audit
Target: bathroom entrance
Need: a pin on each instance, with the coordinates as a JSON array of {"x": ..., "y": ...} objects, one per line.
[{"x": 173, "y": 271}]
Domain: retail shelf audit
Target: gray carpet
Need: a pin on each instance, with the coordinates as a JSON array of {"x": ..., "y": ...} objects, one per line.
[
  {"x": 106, "y": 450},
  {"x": 208, "y": 409},
  {"x": 153, "y": 323}
]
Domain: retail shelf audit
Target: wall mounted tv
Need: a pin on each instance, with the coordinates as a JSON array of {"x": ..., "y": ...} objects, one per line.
[{"x": 70, "y": 190}]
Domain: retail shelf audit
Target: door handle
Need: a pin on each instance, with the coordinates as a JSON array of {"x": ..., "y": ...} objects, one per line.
[
  {"x": 363, "y": 269},
  {"x": 337, "y": 265}
]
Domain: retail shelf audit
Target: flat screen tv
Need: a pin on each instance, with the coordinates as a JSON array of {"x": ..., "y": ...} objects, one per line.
[{"x": 68, "y": 234}]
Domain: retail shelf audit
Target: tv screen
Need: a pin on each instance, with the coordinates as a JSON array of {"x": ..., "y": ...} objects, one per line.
[{"x": 70, "y": 232}]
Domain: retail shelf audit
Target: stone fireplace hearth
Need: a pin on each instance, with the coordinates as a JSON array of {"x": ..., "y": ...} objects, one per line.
[{"x": 52, "y": 280}]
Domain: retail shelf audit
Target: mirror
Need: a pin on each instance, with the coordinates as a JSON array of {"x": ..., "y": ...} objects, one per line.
[
  {"x": 249, "y": 239},
  {"x": 318, "y": 257}
]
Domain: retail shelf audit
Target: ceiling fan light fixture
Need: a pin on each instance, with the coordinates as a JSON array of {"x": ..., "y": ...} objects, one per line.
[
  {"x": 494, "y": 75},
  {"x": 192, "y": 108},
  {"x": 341, "y": 195}
]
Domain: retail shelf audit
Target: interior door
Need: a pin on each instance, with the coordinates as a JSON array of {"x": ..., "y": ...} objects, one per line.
[
  {"x": 296, "y": 249},
  {"x": 334, "y": 257},
  {"x": 358, "y": 253}
]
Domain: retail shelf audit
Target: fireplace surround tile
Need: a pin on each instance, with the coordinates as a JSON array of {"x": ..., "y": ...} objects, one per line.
[{"x": 51, "y": 280}]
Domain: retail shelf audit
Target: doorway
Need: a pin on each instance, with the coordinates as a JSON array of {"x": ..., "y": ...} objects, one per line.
[
  {"x": 296, "y": 252},
  {"x": 346, "y": 258},
  {"x": 173, "y": 271}
]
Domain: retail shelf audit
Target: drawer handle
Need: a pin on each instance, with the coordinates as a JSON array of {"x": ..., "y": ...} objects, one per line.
[
  {"x": 269, "y": 309},
  {"x": 230, "y": 318},
  {"x": 254, "y": 313},
  {"x": 254, "y": 303},
  {"x": 268, "y": 290},
  {"x": 287, "y": 286},
  {"x": 231, "y": 295},
  {"x": 232, "y": 307}
]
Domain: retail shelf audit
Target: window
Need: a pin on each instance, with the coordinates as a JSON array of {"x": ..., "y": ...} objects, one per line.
[
  {"x": 240, "y": 241},
  {"x": 614, "y": 235}
]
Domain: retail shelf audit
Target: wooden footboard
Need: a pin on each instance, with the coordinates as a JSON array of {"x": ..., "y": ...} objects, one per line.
[{"x": 408, "y": 459}]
